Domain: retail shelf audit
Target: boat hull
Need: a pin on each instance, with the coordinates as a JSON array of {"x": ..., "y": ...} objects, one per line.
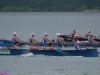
[{"x": 84, "y": 53}]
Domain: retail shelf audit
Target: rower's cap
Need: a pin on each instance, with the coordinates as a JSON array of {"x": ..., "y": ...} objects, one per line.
[
  {"x": 32, "y": 33},
  {"x": 88, "y": 30},
  {"x": 45, "y": 33},
  {"x": 74, "y": 29},
  {"x": 14, "y": 32},
  {"x": 58, "y": 34}
]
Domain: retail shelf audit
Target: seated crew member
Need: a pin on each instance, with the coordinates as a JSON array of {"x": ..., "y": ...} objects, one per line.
[
  {"x": 33, "y": 46},
  {"x": 15, "y": 38},
  {"x": 45, "y": 39},
  {"x": 77, "y": 44},
  {"x": 51, "y": 46},
  {"x": 32, "y": 39},
  {"x": 16, "y": 46},
  {"x": 60, "y": 41},
  {"x": 88, "y": 34},
  {"x": 91, "y": 40},
  {"x": 74, "y": 33}
]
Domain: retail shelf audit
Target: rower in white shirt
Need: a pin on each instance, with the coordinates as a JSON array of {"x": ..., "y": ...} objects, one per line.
[
  {"x": 15, "y": 38},
  {"x": 32, "y": 39}
]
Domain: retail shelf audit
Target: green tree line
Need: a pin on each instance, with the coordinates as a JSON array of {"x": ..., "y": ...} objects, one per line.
[{"x": 48, "y": 5}]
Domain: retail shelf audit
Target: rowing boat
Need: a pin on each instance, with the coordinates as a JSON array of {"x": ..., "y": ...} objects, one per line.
[{"x": 58, "y": 52}]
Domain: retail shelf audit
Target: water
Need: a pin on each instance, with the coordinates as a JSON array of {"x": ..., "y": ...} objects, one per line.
[
  {"x": 40, "y": 22},
  {"x": 50, "y": 65}
]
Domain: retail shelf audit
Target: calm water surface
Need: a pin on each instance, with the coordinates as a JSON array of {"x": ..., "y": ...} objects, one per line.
[
  {"x": 39, "y": 23},
  {"x": 26, "y": 23}
]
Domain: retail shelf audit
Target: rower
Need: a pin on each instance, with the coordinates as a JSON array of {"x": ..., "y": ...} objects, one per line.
[
  {"x": 15, "y": 38},
  {"x": 16, "y": 46},
  {"x": 74, "y": 33},
  {"x": 51, "y": 46},
  {"x": 88, "y": 34},
  {"x": 33, "y": 46},
  {"x": 59, "y": 40},
  {"x": 91, "y": 40},
  {"x": 32, "y": 39},
  {"x": 45, "y": 39},
  {"x": 77, "y": 44}
]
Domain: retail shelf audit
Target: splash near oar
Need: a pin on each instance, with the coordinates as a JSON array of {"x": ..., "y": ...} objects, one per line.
[{"x": 58, "y": 50}]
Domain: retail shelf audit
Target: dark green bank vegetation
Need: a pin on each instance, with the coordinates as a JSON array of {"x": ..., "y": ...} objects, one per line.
[{"x": 48, "y": 5}]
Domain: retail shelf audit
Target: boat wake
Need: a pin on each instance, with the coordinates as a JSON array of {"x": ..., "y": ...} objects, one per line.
[
  {"x": 74, "y": 56},
  {"x": 27, "y": 55}
]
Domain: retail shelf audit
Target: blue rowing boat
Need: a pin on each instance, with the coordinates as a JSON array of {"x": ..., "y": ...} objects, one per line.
[{"x": 58, "y": 52}]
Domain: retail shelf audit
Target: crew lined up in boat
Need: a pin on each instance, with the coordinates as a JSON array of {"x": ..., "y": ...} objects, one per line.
[
  {"x": 60, "y": 40},
  {"x": 77, "y": 44},
  {"x": 15, "y": 38},
  {"x": 16, "y": 46},
  {"x": 32, "y": 39},
  {"x": 51, "y": 46},
  {"x": 74, "y": 33},
  {"x": 33, "y": 46},
  {"x": 45, "y": 39}
]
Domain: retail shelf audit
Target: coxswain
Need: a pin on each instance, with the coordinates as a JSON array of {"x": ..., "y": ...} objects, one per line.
[
  {"x": 16, "y": 46},
  {"x": 15, "y": 38},
  {"x": 45, "y": 39},
  {"x": 74, "y": 33},
  {"x": 32, "y": 39}
]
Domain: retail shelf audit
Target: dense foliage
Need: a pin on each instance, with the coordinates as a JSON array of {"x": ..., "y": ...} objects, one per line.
[{"x": 48, "y": 5}]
